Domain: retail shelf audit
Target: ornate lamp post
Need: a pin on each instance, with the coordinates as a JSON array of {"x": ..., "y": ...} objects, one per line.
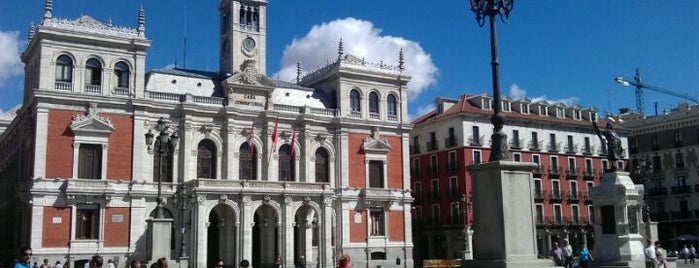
[
  {"x": 464, "y": 229},
  {"x": 491, "y": 8},
  {"x": 181, "y": 195},
  {"x": 163, "y": 146},
  {"x": 642, "y": 172}
]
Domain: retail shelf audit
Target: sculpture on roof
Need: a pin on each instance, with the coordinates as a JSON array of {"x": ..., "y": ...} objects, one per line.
[{"x": 608, "y": 137}]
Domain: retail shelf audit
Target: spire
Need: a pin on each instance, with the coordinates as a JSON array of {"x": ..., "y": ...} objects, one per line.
[
  {"x": 48, "y": 8},
  {"x": 141, "y": 21},
  {"x": 401, "y": 60},
  {"x": 299, "y": 71},
  {"x": 32, "y": 30},
  {"x": 340, "y": 49}
]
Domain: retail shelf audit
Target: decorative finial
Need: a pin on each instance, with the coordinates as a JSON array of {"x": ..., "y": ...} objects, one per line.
[
  {"x": 401, "y": 60},
  {"x": 109, "y": 22},
  {"x": 141, "y": 21},
  {"x": 340, "y": 49},
  {"x": 299, "y": 70},
  {"x": 48, "y": 8},
  {"x": 32, "y": 29}
]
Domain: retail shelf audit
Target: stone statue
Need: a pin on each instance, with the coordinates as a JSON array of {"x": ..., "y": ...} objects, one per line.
[{"x": 611, "y": 139}]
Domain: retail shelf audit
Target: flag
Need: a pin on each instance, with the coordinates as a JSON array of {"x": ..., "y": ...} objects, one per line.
[
  {"x": 293, "y": 139},
  {"x": 275, "y": 134},
  {"x": 251, "y": 140}
]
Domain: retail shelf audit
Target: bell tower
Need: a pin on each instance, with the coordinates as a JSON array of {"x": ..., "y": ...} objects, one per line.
[{"x": 242, "y": 35}]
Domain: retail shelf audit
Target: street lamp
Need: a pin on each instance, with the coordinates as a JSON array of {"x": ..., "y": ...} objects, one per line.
[
  {"x": 464, "y": 229},
  {"x": 491, "y": 8},
  {"x": 163, "y": 146},
  {"x": 642, "y": 172}
]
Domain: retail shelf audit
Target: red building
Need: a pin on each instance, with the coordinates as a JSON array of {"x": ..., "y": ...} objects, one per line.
[{"x": 456, "y": 134}]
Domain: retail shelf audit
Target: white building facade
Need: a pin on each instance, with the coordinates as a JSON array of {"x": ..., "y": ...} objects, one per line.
[{"x": 261, "y": 168}]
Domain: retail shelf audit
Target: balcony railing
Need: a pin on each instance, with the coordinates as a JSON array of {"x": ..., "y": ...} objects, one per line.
[
  {"x": 556, "y": 196},
  {"x": 535, "y": 145},
  {"x": 540, "y": 195},
  {"x": 538, "y": 170},
  {"x": 684, "y": 189},
  {"x": 553, "y": 147},
  {"x": 415, "y": 172},
  {"x": 375, "y": 116},
  {"x": 392, "y": 117},
  {"x": 572, "y": 173},
  {"x": 554, "y": 171},
  {"x": 571, "y": 148},
  {"x": 415, "y": 149},
  {"x": 589, "y": 173},
  {"x": 64, "y": 86},
  {"x": 355, "y": 114},
  {"x": 93, "y": 89},
  {"x": 450, "y": 141},
  {"x": 432, "y": 146},
  {"x": 574, "y": 196},
  {"x": 516, "y": 144},
  {"x": 657, "y": 191},
  {"x": 476, "y": 141},
  {"x": 121, "y": 91},
  {"x": 588, "y": 150}
]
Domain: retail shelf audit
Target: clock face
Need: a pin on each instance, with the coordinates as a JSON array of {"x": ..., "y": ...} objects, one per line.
[
  {"x": 249, "y": 44},
  {"x": 225, "y": 49}
]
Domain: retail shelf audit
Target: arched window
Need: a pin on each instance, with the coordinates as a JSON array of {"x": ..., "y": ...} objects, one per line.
[
  {"x": 286, "y": 164},
  {"x": 373, "y": 102},
  {"x": 162, "y": 164},
  {"x": 121, "y": 70},
  {"x": 64, "y": 69},
  {"x": 355, "y": 101},
  {"x": 206, "y": 159},
  {"x": 322, "y": 165},
  {"x": 247, "y": 162},
  {"x": 93, "y": 69},
  {"x": 392, "y": 105}
]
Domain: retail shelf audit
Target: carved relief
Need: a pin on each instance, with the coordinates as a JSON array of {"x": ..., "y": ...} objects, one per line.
[{"x": 247, "y": 200}]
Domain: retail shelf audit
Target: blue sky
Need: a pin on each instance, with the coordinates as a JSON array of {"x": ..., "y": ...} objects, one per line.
[{"x": 552, "y": 49}]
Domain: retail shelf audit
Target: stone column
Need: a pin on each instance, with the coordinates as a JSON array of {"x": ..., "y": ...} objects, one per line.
[
  {"x": 327, "y": 231},
  {"x": 287, "y": 239},
  {"x": 503, "y": 210},
  {"x": 247, "y": 222}
]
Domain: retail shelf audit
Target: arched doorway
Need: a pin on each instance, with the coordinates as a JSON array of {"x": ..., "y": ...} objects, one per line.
[
  {"x": 222, "y": 235},
  {"x": 265, "y": 237},
  {"x": 306, "y": 235}
]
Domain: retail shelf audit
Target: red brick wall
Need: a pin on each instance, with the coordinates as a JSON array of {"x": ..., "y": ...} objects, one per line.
[
  {"x": 59, "y": 144},
  {"x": 56, "y": 234},
  {"x": 116, "y": 234},
  {"x": 357, "y": 172},
  {"x": 396, "y": 226},
  {"x": 120, "y": 145},
  {"x": 358, "y": 231},
  {"x": 395, "y": 162},
  {"x": 59, "y": 149}
]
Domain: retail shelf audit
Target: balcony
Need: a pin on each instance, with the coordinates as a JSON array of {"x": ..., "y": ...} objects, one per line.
[
  {"x": 516, "y": 144},
  {"x": 121, "y": 91},
  {"x": 93, "y": 89},
  {"x": 571, "y": 148},
  {"x": 588, "y": 150},
  {"x": 535, "y": 145},
  {"x": 64, "y": 86},
  {"x": 450, "y": 142},
  {"x": 415, "y": 173},
  {"x": 432, "y": 146},
  {"x": 585, "y": 198},
  {"x": 557, "y": 220},
  {"x": 602, "y": 151},
  {"x": 554, "y": 171},
  {"x": 589, "y": 173},
  {"x": 375, "y": 116},
  {"x": 415, "y": 149},
  {"x": 418, "y": 197},
  {"x": 538, "y": 171},
  {"x": 434, "y": 196},
  {"x": 432, "y": 170},
  {"x": 657, "y": 191},
  {"x": 540, "y": 196},
  {"x": 572, "y": 173},
  {"x": 476, "y": 141},
  {"x": 684, "y": 189},
  {"x": 540, "y": 220},
  {"x": 553, "y": 147},
  {"x": 680, "y": 165},
  {"x": 556, "y": 196},
  {"x": 453, "y": 168},
  {"x": 574, "y": 196},
  {"x": 454, "y": 194}
]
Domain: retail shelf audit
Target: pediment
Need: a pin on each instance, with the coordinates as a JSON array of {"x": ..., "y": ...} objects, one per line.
[
  {"x": 91, "y": 125},
  {"x": 376, "y": 145}
]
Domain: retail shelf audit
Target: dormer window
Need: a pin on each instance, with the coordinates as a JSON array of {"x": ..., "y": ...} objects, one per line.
[
  {"x": 543, "y": 110},
  {"x": 525, "y": 108},
  {"x": 506, "y": 106},
  {"x": 559, "y": 112},
  {"x": 486, "y": 104},
  {"x": 576, "y": 115}
]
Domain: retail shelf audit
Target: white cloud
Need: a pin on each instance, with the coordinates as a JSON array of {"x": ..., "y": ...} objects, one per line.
[
  {"x": 517, "y": 92},
  {"x": 10, "y": 64},
  {"x": 361, "y": 39}
]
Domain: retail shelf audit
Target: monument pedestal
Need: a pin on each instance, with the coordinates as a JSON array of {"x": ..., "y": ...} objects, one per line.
[
  {"x": 503, "y": 210},
  {"x": 159, "y": 238},
  {"x": 618, "y": 239}
]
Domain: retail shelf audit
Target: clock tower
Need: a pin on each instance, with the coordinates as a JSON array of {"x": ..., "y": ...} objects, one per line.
[{"x": 242, "y": 35}]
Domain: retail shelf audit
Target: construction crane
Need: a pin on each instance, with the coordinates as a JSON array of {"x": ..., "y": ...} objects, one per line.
[{"x": 639, "y": 90}]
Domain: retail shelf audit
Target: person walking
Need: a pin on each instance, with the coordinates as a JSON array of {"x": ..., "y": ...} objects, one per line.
[
  {"x": 344, "y": 262},
  {"x": 568, "y": 253},
  {"x": 651, "y": 257},
  {"x": 685, "y": 253},
  {"x": 585, "y": 255},
  {"x": 692, "y": 253},
  {"x": 557, "y": 255},
  {"x": 661, "y": 254},
  {"x": 25, "y": 258},
  {"x": 96, "y": 261},
  {"x": 278, "y": 262}
]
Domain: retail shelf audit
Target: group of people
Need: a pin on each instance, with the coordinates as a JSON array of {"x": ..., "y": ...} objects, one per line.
[
  {"x": 565, "y": 256},
  {"x": 655, "y": 255},
  {"x": 688, "y": 254}
]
